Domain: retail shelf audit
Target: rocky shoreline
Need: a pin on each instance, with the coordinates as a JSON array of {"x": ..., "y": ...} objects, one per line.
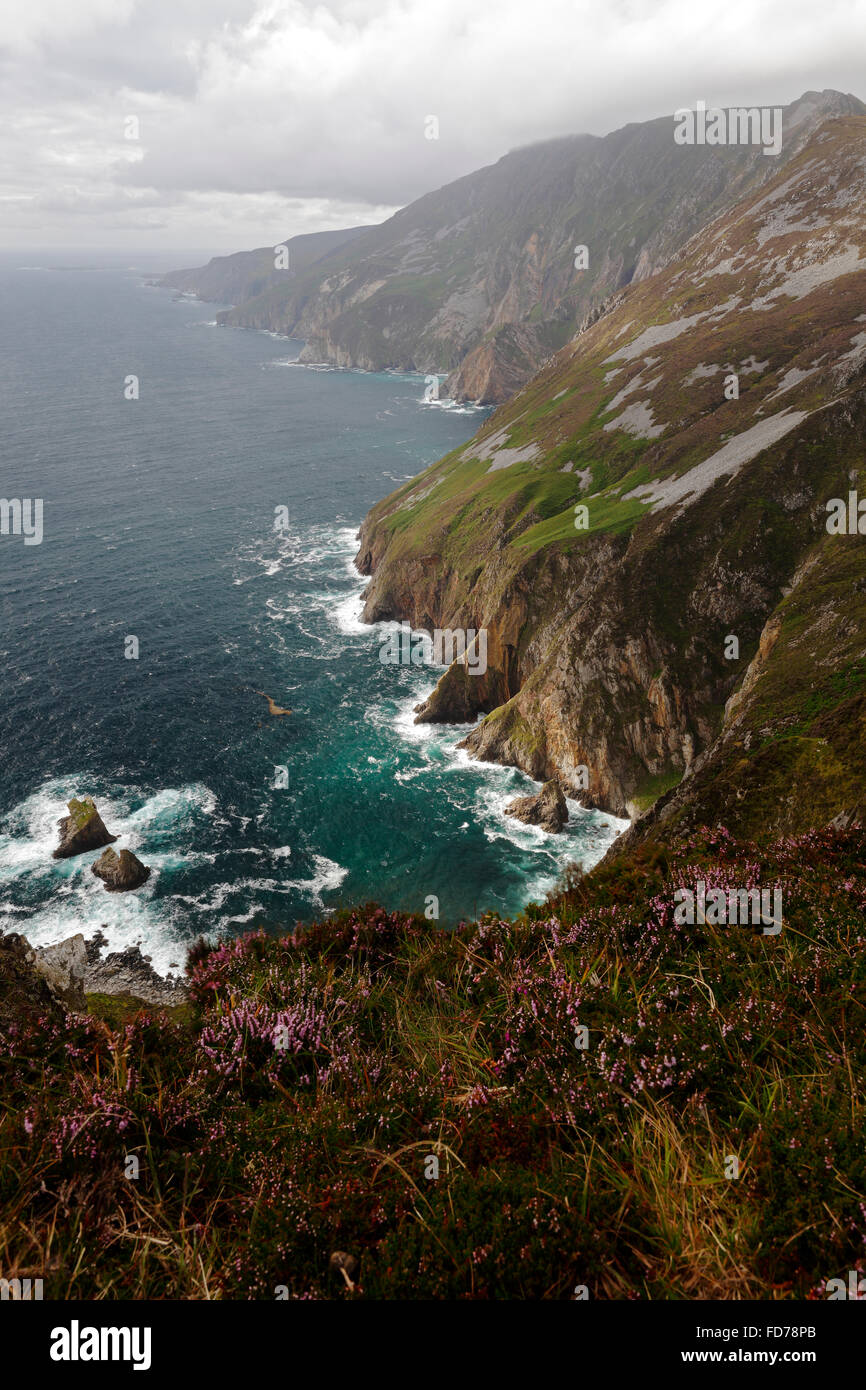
[
  {"x": 129, "y": 972},
  {"x": 69, "y": 971},
  {"x": 66, "y": 972}
]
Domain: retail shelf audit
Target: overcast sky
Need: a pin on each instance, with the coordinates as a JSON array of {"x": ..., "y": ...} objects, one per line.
[{"x": 260, "y": 120}]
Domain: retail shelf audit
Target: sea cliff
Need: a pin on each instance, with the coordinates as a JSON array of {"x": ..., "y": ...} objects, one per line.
[{"x": 634, "y": 526}]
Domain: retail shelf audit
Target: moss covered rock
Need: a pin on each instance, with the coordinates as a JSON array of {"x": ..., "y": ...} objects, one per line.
[{"x": 83, "y": 829}]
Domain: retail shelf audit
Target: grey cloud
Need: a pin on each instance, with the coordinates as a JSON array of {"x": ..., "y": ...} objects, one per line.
[{"x": 293, "y": 110}]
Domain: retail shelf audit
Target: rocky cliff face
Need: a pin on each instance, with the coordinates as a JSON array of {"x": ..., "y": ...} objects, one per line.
[
  {"x": 248, "y": 274},
  {"x": 480, "y": 279},
  {"x": 634, "y": 525},
  {"x": 789, "y": 756}
]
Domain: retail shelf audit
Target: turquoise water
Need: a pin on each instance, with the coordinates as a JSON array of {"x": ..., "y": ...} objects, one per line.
[{"x": 159, "y": 524}]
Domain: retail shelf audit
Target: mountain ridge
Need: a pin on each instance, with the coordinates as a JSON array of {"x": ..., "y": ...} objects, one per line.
[{"x": 477, "y": 280}]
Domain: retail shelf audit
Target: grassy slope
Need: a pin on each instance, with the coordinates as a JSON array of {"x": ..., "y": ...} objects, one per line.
[{"x": 564, "y": 410}]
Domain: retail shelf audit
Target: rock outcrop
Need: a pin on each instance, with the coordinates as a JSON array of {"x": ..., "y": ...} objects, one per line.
[
  {"x": 63, "y": 966},
  {"x": 120, "y": 872},
  {"x": 546, "y": 809},
  {"x": 82, "y": 829},
  {"x": 129, "y": 972},
  {"x": 48, "y": 981},
  {"x": 856, "y": 815},
  {"x": 26, "y": 991}
]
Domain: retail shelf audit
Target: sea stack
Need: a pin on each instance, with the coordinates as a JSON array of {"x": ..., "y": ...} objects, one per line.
[
  {"x": 547, "y": 808},
  {"x": 120, "y": 872},
  {"x": 82, "y": 829}
]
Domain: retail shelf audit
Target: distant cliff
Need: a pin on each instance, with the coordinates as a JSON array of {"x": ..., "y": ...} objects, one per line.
[
  {"x": 245, "y": 275},
  {"x": 480, "y": 279}
]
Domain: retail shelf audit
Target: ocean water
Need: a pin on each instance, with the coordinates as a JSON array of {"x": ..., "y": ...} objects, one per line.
[{"x": 159, "y": 525}]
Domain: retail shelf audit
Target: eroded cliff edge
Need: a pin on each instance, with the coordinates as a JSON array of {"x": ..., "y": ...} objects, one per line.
[{"x": 609, "y": 632}]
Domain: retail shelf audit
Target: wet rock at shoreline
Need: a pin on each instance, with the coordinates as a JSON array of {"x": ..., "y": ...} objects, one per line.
[
  {"x": 129, "y": 972},
  {"x": 546, "y": 809}
]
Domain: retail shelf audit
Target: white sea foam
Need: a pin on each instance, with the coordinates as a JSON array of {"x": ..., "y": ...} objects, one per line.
[
  {"x": 281, "y": 609},
  {"x": 346, "y": 612},
  {"x": 455, "y": 407},
  {"x": 446, "y": 736},
  {"x": 585, "y": 838},
  {"x": 67, "y": 898},
  {"x": 404, "y": 720},
  {"x": 327, "y": 877}
]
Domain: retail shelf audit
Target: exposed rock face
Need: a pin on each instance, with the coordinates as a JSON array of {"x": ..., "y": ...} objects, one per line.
[
  {"x": 845, "y": 819},
  {"x": 547, "y": 808},
  {"x": 82, "y": 829},
  {"x": 120, "y": 872},
  {"x": 499, "y": 366},
  {"x": 50, "y": 980},
  {"x": 63, "y": 967},
  {"x": 609, "y": 653},
  {"x": 24, "y": 990},
  {"x": 478, "y": 279},
  {"x": 129, "y": 972},
  {"x": 461, "y": 692},
  {"x": 790, "y": 753}
]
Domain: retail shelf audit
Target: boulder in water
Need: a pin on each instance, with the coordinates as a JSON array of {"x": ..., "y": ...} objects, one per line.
[
  {"x": 122, "y": 871},
  {"x": 82, "y": 829},
  {"x": 547, "y": 808}
]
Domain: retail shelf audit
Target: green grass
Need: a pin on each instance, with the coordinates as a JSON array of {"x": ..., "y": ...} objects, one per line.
[
  {"x": 652, "y": 788},
  {"x": 606, "y": 513}
]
